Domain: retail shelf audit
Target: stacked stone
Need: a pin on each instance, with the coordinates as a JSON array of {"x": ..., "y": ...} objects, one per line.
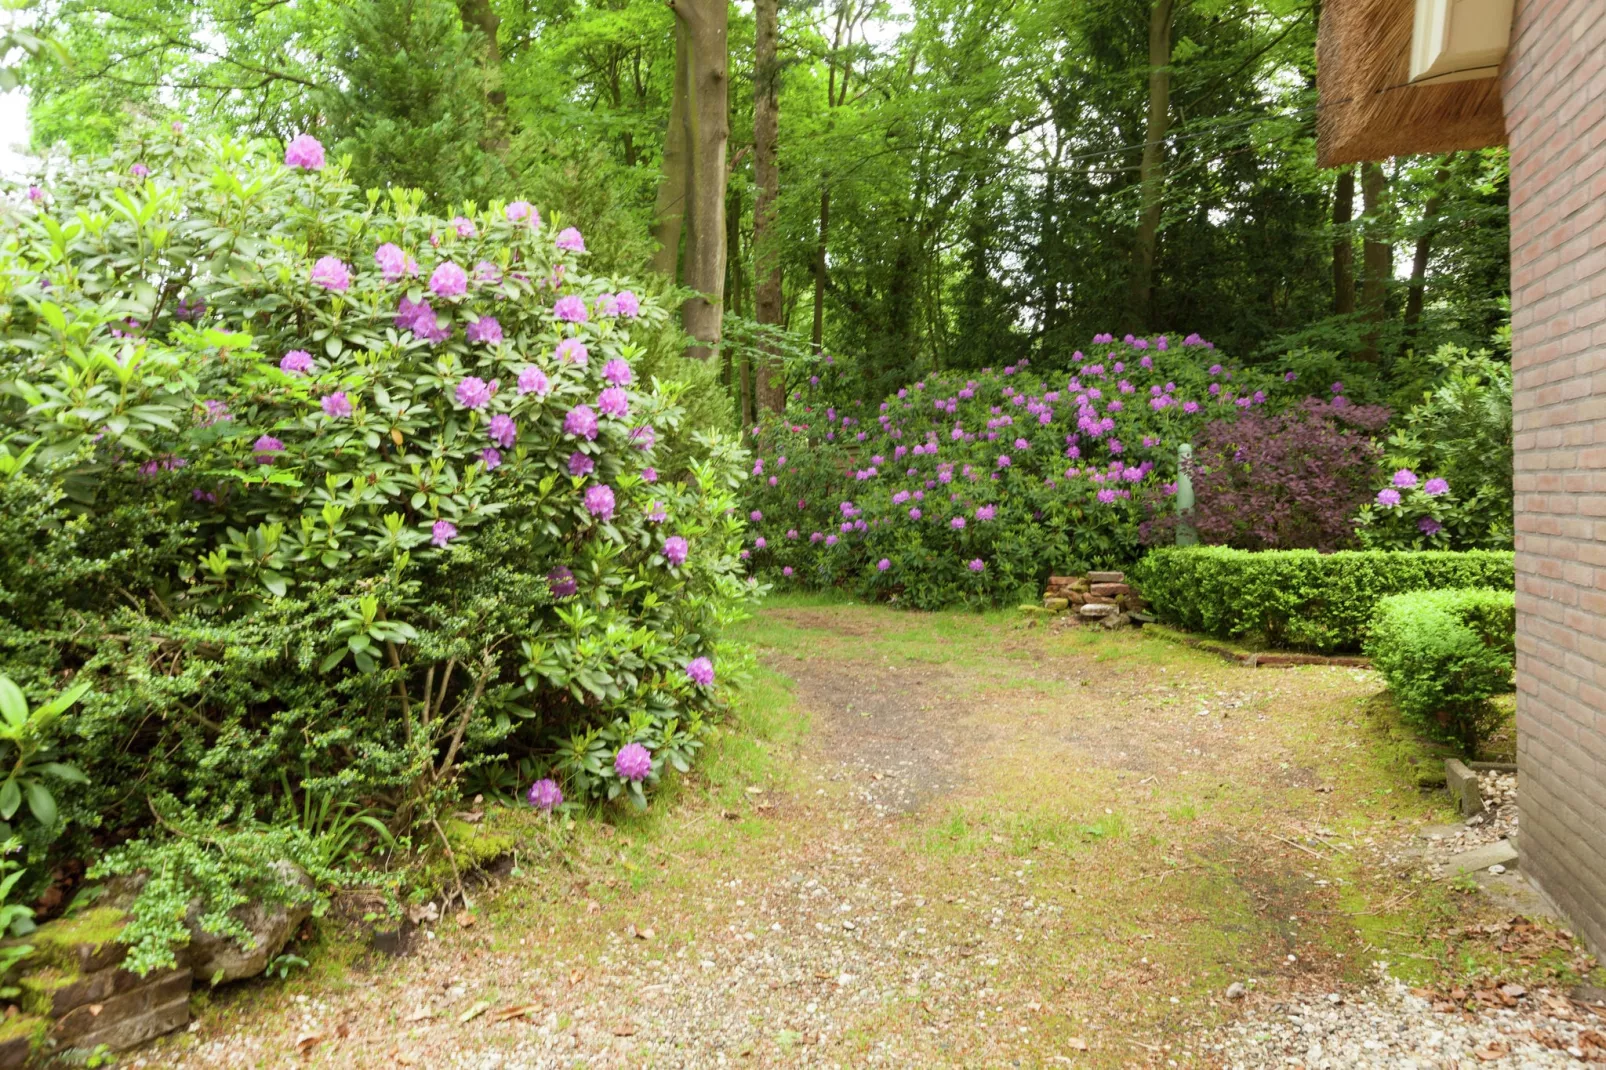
[{"x": 1096, "y": 596}]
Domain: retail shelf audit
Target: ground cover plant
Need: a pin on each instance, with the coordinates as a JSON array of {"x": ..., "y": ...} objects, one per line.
[
  {"x": 968, "y": 488},
  {"x": 1445, "y": 653},
  {"x": 324, "y": 505},
  {"x": 1301, "y": 598}
]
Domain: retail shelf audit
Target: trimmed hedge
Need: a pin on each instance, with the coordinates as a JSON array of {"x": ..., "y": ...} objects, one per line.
[
  {"x": 1444, "y": 653},
  {"x": 1301, "y": 599}
]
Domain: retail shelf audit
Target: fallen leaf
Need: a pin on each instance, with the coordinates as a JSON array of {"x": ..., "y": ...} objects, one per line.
[
  {"x": 307, "y": 1041},
  {"x": 95, "y": 1009},
  {"x": 343, "y": 1030},
  {"x": 504, "y": 1014},
  {"x": 1495, "y": 1049},
  {"x": 755, "y": 790},
  {"x": 1588, "y": 1038},
  {"x": 574, "y": 978},
  {"x": 1076, "y": 1044},
  {"x": 403, "y": 1059},
  {"x": 474, "y": 1012},
  {"x": 467, "y": 920},
  {"x": 593, "y": 907},
  {"x": 624, "y": 1030},
  {"x": 420, "y": 1015},
  {"x": 473, "y": 817}
]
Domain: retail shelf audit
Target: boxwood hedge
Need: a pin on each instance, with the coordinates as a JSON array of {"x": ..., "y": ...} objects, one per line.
[
  {"x": 1444, "y": 653},
  {"x": 1301, "y": 599}
]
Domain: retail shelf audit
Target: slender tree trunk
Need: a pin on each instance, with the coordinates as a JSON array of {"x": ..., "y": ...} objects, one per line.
[
  {"x": 771, "y": 382},
  {"x": 1377, "y": 255},
  {"x": 1344, "y": 243},
  {"x": 818, "y": 335},
  {"x": 708, "y": 131},
  {"x": 481, "y": 16},
  {"x": 1416, "y": 293},
  {"x": 669, "y": 213},
  {"x": 1151, "y": 175}
]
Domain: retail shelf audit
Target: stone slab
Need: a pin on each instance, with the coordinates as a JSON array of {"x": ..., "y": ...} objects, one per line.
[
  {"x": 1111, "y": 590},
  {"x": 1106, "y": 577},
  {"x": 1056, "y": 604},
  {"x": 1463, "y": 785},
  {"x": 132, "y": 1032},
  {"x": 1095, "y": 611},
  {"x": 77, "y": 1026},
  {"x": 1498, "y": 853}
]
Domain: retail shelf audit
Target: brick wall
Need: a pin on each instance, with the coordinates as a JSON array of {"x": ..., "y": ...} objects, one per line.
[{"x": 1555, "y": 101}]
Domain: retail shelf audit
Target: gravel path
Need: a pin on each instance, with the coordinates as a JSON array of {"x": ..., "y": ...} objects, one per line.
[{"x": 948, "y": 879}]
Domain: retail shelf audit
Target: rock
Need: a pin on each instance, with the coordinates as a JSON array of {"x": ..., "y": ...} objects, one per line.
[
  {"x": 1498, "y": 853},
  {"x": 1056, "y": 604},
  {"x": 1106, "y": 577},
  {"x": 1463, "y": 785},
  {"x": 216, "y": 958},
  {"x": 1094, "y": 610},
  {"x": 1111, "y": 590},
  {"x": 1236, "y": 990},
  {"x": 1589, "y": 994},
  {"x": 1116, "y": 620}
]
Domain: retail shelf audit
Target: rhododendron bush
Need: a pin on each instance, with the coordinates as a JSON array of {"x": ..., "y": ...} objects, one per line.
[
  {"x": 968, "y": 488},
  {"x": 306, "y": 479}
]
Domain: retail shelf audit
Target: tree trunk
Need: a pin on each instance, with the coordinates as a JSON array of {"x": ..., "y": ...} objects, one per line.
[
  {"x": 1344, "y": 243},
  {"x": 1416, "y": 293},
  {"x": 818, "y": 336},
  {"x": 481, "y": 16},
  {"x": 1377, "y": 255},
  {"x": 1151, "y": 174},
  {"x": 669, "y": 213},
  {"x": 771, "y": 381},
  {"x": 708, "y": 131}
]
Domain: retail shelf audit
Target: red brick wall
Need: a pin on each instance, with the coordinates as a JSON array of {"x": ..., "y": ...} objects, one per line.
[{"x": 1555, "y": 101}]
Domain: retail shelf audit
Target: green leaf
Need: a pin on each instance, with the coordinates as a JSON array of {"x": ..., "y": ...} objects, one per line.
[
  {"x": 10, "y": 798},
  {"x": 13, "y": 704},
  {"x": 275, "y": 583},
  {"x": 42, "y": 804},
  {"x": 61, "y": 771}
]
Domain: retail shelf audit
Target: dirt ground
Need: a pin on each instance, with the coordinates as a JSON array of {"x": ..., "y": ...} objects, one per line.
[{"x": 938, "y": 840}]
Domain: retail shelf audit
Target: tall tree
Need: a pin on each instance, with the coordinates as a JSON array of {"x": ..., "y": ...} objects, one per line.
[
  {"x": 1151, "y": 175},
  {"x": 1416, "y": 290},
  {"x": 1377, "y": 256},
  {"x": 1344, "y": 242},
  {"x": 771, "y": 384}
]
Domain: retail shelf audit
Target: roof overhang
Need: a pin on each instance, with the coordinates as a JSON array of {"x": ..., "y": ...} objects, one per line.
[{"x": 1406, "y": 76}]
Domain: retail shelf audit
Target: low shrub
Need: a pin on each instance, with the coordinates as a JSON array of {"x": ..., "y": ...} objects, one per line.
[
  {"x": 1301, "y": 599},
  {"x": 1444, "y": 653},
  {"x": 302, "y": 480},
  {"x": 969, "y": 488}
]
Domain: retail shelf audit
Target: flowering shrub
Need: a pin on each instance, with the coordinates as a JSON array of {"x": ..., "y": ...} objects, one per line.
[
  {"x": 1450, "y": 461},
  {"x": 308, "y": 480},
  {"x": 968, "y": 489},
  {"x": 1444, "y": 653},
  {"x": 1286, "y": 480},
  {"x": 1300, "y": 598}
]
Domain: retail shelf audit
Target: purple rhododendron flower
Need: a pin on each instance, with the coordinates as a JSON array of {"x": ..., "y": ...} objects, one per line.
[
  {"x": 580, "y": 464},
  {"x": 485, "y": 329},
  {"x": 561, "y": 582},
  {"x": 957, "y": 523},
  {"x": 883, "y": 564},
  {"x": 599, "y": 501},
  {"x": 448, "y": 280},
  {"x": 487, "y": 274},
  {"x": 1434, "y": 487},
  {"x": 977, "y": 564},
  {"x": 582, "y": 422},
  {"x": 760, "y": 543},
  {"x": 305, "y": 152},
  {"x": 443, "y": 532},
  {"x": 617, "y": 372},
  {"x": 657, "y": 514},
  {"x": 700, "y": 671},
  {"x": 520, "y": 210},
  {"x": 675, "y": 550},
  {"x": 1428, "y": 526},
  {"x": 787, "y": 571},
  {"x": 633, "y": 762},
  {"x": 986, "y": 512},
  {"x": 331, "y": 273},
  {"x": 1388, "y": 497},
  {"x": 393, "y": 262},
  {"x": 573, "y": 351},
  {"x": 1405, "y": 479},
  {"x": 464, "y": 226},
  {"x": 629, "y": 304},
  {"x": 569, "y": 238},
  {"x": 473, "y": 392},
  {"x": 613, "y": 401},
  {"x": 296, "y": 362},
  {"x": 503, "y": 431},
  {"x": 532, "y": 380},
  {"x": 570, "y": 309},
  {"x": 265, "y": 447},
  {"x": 139, "y": 170},
  {"x": 491, "y": 457},
  {"x": 545, "y": 795},
  {"x": 649, "y": 474},
  {"x": 336, "y": 405}
]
